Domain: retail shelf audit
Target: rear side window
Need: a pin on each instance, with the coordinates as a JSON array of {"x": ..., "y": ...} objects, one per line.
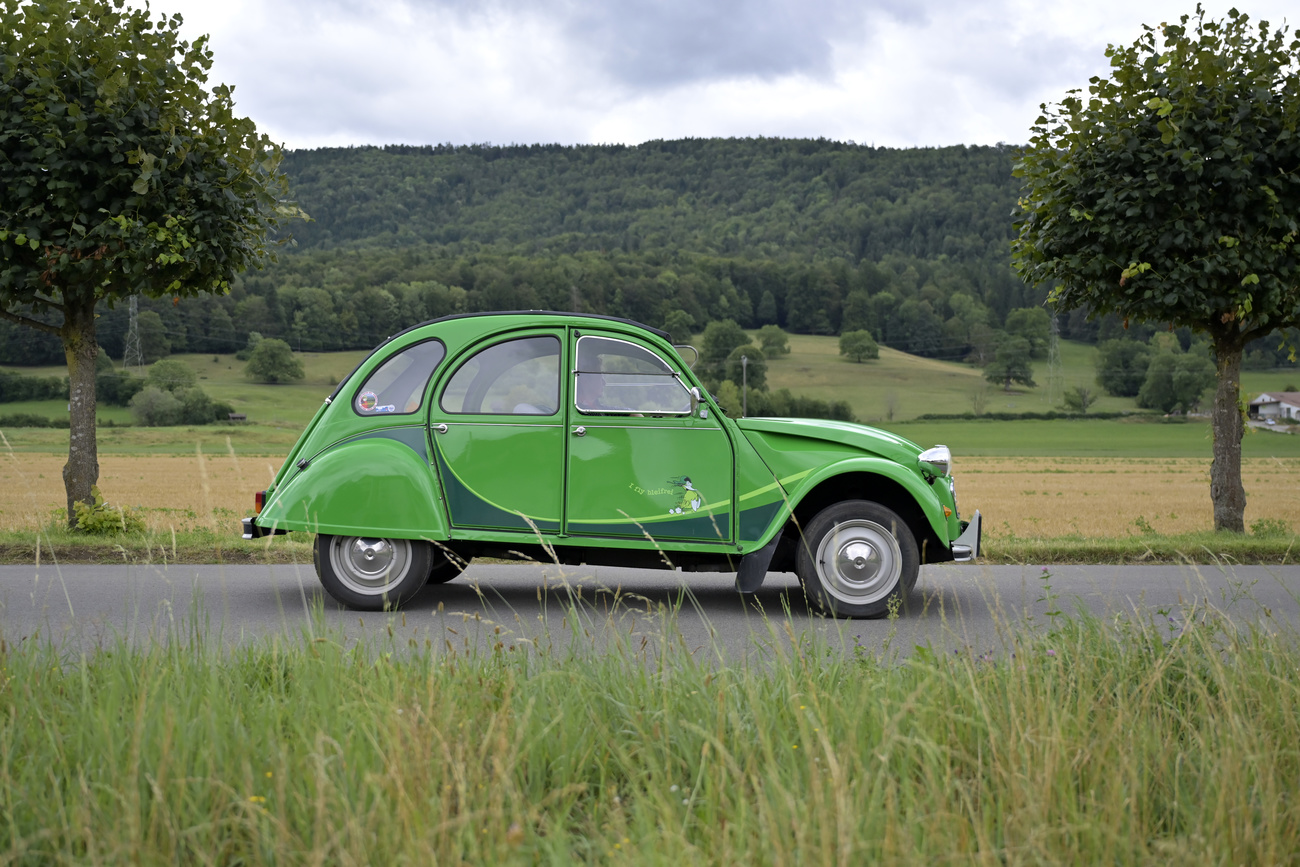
[
  {"x": 397, "y": 386},
  {"x": 518, "y": 377}
]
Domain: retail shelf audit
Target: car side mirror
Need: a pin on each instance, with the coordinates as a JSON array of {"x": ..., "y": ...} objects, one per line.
[{"x": 697, "y": 403}]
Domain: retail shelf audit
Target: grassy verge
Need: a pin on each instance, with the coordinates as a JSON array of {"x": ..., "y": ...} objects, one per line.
[
  {"x": 1191, "y": 548},
  {"x": 56, "y": 544},
  {"x": 1088, "y": 742}
]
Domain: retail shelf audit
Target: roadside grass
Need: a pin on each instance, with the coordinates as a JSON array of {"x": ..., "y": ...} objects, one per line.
[
  {"x": 1072, "y": 740},
  {"x": 1203, "y": 548},
  {"x": 54, "y": 543}
]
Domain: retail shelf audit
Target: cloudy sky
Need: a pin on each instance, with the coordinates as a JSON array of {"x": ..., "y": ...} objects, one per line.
[{"x": 314, "y": 73}]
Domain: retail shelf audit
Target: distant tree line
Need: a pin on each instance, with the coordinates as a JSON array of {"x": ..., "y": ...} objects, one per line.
[{"x": 811, "y": 236}]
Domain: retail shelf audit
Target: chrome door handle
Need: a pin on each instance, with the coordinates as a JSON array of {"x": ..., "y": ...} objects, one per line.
[
  {"x": 579, "y": 431},
  {"x": 441, "y": 428}
]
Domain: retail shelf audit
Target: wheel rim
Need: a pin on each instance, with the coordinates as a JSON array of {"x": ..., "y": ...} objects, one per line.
[
  {"x": 371, "y": 567},
  {"x": 859, "y": 562}
]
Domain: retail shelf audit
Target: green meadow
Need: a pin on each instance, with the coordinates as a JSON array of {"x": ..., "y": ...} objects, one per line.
[{"x": 890, "y": 392}]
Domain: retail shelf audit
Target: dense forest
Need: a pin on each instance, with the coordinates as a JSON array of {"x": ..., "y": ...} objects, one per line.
[{"x": 815, "y": 236}]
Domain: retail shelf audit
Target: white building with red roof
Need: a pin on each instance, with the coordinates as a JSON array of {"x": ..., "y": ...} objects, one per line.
[{"x": 1276, "y": 404}]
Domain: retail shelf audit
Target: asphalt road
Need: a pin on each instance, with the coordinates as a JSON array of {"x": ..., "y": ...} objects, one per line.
[{"x": 954, "y": 606}]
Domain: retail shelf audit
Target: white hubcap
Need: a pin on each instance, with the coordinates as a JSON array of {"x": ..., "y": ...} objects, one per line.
[
  {"x": 859, "y": 562},
  {"x": 370, "y": 566}
]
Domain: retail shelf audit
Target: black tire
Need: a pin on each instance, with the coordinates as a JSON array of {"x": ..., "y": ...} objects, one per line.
[
  {"x": 856, "y": 557},
  {"x": 446, "y": 564},
  {"x": 370, "y": 574}
]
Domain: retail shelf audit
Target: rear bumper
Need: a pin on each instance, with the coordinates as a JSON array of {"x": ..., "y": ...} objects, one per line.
[
  {"x": 967, "y": 545},
  {"x": 253, "y": 531}
]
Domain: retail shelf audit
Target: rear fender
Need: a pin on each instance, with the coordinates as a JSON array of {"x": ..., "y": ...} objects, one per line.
[{"x": 375, "y": 486}]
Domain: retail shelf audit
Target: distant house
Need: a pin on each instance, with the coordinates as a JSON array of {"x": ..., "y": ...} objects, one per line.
[{"x": 1277, "y": 404}]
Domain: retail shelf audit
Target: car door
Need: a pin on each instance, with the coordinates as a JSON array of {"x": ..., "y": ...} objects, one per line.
[
  {"x": 498, "y": 434},
  {"x": 643, "y": 460}
]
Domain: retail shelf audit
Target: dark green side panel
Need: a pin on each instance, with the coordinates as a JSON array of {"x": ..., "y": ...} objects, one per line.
[
  {"x": 503, "y": 474},
  {"x": 471, "y": 510}
]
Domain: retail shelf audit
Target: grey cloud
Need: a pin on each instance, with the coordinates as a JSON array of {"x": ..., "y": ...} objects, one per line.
[
  {"x": 658, "y": 44},
  {"x": 650, "y": 44}
]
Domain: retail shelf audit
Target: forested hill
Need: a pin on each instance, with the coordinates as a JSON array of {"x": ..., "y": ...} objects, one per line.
[
  {"x": 768, "y": 198},
  {"x": 815, "y": 236}
]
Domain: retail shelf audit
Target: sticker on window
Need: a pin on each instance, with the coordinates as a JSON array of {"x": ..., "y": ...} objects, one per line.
[{"x": 368, "y": 401}]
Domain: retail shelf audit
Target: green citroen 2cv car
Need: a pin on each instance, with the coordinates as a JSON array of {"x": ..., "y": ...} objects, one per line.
[{"x": 585, "y": 439}]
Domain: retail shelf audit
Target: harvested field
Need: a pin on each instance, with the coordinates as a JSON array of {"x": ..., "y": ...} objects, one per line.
[
  {"x": 1025, "y": 497},
  {"x": 1108, "y": 497},
  {"x": 199, "y": 491}
]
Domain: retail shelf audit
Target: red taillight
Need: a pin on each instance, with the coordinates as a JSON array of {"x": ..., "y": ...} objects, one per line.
[{"x": 259, "y": 500}]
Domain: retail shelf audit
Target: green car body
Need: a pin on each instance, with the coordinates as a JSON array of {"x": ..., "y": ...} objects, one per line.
[{"x": 585, "y": 439}]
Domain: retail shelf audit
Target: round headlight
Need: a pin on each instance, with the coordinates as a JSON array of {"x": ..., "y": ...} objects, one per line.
[{"x": 937, "y": 460}]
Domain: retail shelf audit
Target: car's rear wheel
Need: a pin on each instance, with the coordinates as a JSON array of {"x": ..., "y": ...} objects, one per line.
[
  {"x": 372, "y": 574},
  {"x": 857, "y": 557}
]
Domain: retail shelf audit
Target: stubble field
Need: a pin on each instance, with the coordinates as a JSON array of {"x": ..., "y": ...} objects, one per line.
[{"x": 1045, "y": 497}]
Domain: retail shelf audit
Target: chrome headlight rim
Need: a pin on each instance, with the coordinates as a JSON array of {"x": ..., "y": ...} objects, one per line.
[{"x": 936, "y": 460}]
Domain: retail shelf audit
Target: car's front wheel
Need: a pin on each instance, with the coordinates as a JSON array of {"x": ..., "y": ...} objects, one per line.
[
  {"x": 372, "y": 574},
  {"x": 856, "y": 558}
]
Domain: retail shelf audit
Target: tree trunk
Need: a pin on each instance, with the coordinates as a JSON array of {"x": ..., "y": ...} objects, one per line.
[
  {"x": 1226, "y": 491},
  {"x": 81, "y": 472}
]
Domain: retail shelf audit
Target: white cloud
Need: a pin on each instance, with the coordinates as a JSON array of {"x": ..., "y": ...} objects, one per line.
[{"x": 427, "y": 71}]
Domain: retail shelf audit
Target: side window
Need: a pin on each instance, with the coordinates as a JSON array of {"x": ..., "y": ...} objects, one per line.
[
  {"x": 397, "y": 386},
  {"x": 620, "y": 377},
  {"x": 518, "y": 377}
]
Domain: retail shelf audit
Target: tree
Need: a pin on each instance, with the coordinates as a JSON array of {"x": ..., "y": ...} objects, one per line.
[
  {"x": 273, "y": 361},
  {"x": 154, "y": 342},
  {"x": 120, "y": 174},
  {"x": 1122, "y": 366},
  {"x": 153, "y": 407},
  {"x": 720, "y": 337},
  {"x": 859, "y": 346},
  {"x": 774, "y": 341},
  {"x": 755, "y": 369},
  {"x": 1011, "y": 364},
  {"x": 171, "y": 375},
  {"x": 1079, "y": 398},
  {"x": 679, "y": 325},
  {"x": 1176, "y": 381},
  {"x": 1035, "y": 325},
  {"x": 1170, "y": 193}
]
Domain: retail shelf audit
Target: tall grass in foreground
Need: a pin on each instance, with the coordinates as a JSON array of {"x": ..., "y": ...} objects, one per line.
[{"x": 1117, "y": 741}]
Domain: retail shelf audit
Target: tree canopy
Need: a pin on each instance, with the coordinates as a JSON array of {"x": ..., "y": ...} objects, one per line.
[
  {"x": 120, "y": 174},
  {"x": 273, "y": 361},
  {"x": 1170, "y": 192}
]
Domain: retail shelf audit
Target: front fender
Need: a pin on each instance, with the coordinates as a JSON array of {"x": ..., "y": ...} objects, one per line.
[
  {"x": 375, "y": 487},
  {"x": 798, "y": 485}
]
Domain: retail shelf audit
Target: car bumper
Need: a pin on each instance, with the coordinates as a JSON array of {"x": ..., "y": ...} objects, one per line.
[
  {"x": 253, "y": 531},
  {"x": 967, "y": 545}
]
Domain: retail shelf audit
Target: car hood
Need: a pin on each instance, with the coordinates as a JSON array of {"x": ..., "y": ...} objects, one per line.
[{"x": 869, "y": 439}]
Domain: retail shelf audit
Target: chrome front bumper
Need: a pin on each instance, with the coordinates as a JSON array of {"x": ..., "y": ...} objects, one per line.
[{"x": 967, "y": 545}]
